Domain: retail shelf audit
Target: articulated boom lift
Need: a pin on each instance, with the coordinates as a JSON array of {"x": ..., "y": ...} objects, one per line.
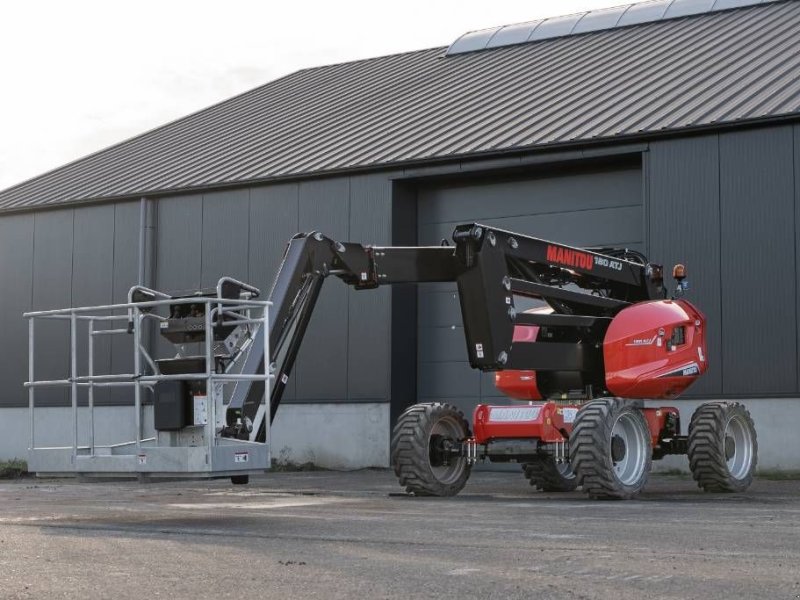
[{"x": 603, "y": 339}]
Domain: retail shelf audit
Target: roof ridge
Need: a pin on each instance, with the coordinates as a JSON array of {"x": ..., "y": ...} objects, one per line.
[{"x": 601, "y": 19}]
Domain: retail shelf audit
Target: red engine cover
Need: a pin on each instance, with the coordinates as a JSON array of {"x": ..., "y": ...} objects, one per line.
[{"x": 655, "y": 349}]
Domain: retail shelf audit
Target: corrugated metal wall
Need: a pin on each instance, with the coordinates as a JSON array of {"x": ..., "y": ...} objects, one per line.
[
  {"x": 16, "y": 279},
  {"x": 728, "y": 205},
  {"x": 89, "y": 255},
  {"x": 54, "y": 259}
]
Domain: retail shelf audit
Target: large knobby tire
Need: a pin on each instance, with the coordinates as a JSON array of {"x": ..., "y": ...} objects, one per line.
[
  {"x": 723, "y": 449},
  {"x": 419, "y": 433},
  {"x": 547, "y": 475},
  {"x": 610, "y": 449}
]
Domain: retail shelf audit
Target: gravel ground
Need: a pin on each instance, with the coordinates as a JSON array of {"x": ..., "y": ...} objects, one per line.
[{"x": 355, "y": 535}]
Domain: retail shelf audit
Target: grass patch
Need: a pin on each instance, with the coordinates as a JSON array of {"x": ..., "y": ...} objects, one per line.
[
  {"x": 778, "y": 474},
  {"x": 283, "y": 463},
  {"x": 290, "y": 467},
  {"x": 13, "y": 469}
]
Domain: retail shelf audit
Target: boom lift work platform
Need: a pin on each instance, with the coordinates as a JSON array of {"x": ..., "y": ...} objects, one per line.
[{"x": 605, "y": 338}]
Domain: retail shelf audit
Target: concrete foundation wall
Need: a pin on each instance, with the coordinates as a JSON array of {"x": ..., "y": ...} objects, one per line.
[
  {"x": 356, "y": 436},
  {"x": 775, "y": 420},
  {"x": 53, "y": 427},
  {"x": 332, "y": 436}
]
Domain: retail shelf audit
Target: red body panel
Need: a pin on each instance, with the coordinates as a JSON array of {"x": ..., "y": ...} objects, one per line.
[
  {"x": 545, "y": 421},
  {"x": 644, "y": 358},
  {"x": 521, "y": 385},
  {"x": 542, "y": 421},
  {"x": 640, "y": 359}
]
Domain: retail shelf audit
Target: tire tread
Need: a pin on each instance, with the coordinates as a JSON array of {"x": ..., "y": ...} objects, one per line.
[
  {"x": 543, "y": 475},
  {"x": 706, "y": 453},
  {"x": 590, "y": 452},
  {"x": 409, "y": 450}
]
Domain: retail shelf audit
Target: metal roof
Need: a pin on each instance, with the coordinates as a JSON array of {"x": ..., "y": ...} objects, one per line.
[
  {"x": 702, "y": 70},
  {"x": 593, "y": 20}
]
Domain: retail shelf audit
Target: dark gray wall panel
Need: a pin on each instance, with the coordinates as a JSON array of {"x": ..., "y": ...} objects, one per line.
[
  {"x": 321, "y": 372},
  {"x": 59, "y": 259},
  {"x": 225, "y": 236},
  {"x": 683, "y": 178},
  {"x": 178, "y": 243},
  {"x": 274, "y": 214},
  {"x": 273, "y": 219},
  {"x": 581, "y": 208},
  {"x": 178, "y": 251},
  {"x": 759, "y": 319},
  {"x": 126, "y": 270},
  {"x": 52, "y": 288},
  {"x": 126, "y": 249},
  {"x": 444, "y": 379},
  {"x": 442, "y": 309},
  {"x": 92, "y": 281},
  {"x": 442, "y": 344},
  {"x": 369, "y": 312},
  {"x": 93, "y": 255},
  {"x": 16, "y": 273},
  {"x": 796, "y": 149}
]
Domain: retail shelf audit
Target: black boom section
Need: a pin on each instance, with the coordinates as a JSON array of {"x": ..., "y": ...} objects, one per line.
[
  {"x": 309, "y": 259},
  {"x": 490, "y": 266}
]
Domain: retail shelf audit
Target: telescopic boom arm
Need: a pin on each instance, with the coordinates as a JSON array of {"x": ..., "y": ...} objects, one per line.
[{"x": 584, "y": 287}]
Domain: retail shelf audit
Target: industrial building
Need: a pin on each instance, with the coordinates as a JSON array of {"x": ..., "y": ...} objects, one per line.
[{"x": 671, "y": 127}]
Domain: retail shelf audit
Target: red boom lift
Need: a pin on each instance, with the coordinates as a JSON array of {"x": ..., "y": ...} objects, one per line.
[{"x": 606, "y": 338}]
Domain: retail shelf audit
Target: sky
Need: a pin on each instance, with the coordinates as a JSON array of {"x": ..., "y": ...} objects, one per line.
[{"x": 78, "y": 76}]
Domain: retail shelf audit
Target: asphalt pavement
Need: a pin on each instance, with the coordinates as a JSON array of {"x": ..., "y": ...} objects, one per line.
[{"x": 356, "y": 535}]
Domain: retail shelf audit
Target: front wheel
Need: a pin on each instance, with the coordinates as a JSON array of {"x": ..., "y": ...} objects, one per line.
[
  {"x": 424, "y": 453},
  {"x": 610, "y": 449},
  {"x": 723, "y": 448}
]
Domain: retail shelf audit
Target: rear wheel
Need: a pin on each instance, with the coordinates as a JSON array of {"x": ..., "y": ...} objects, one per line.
[
  {"x": 611, "y": 449},
  {"x": 240, "y": 479},
  {"x": 421, "y": 444},
  {"x": 547, "y": 475},
  {"x": 723, "y": 448}
]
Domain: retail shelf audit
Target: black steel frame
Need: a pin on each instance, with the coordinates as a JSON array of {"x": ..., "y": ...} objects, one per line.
[{"x": 584, "y": 287}]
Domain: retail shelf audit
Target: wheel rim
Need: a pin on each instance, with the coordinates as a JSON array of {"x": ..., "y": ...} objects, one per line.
[
  {"x": 565, "y": 470},
  {"x": 446, "y": 428},
  {"x": 738, "y": 447},
  {"x": 627, "y": 432}
]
